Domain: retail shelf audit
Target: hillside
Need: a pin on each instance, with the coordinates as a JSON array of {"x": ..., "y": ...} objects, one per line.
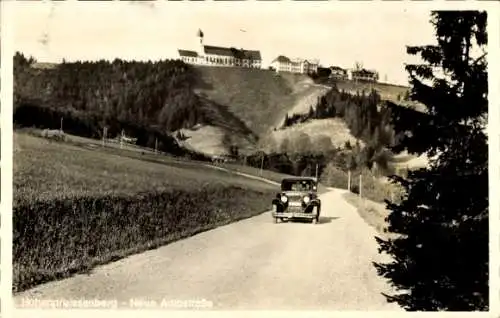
[
  {"x": 259, "y": 98},
  {"x": 350, "y": 112},
  {"x": 386, "y": 91},
  {"x": 85, "y": 207},
  {"x": 215, "y": 110},
  {"x": 145, "y": 100},
  {"x": 320, "y": 132}
]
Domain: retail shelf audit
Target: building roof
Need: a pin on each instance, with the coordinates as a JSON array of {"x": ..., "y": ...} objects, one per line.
[
  {"x": 282, "y": 59},
  {"x": 364, "y": 72},
  {"x": 312, "y": 61},
  {"x": 337, "y": 68},
  {"x": 188, "y": 53},
  {"x": 232, "y": 52}
]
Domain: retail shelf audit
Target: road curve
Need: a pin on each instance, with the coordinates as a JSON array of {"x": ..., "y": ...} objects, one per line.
[{"x": 251, "y": 264}]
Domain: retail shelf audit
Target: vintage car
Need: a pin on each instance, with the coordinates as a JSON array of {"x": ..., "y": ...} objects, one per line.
[{"x": 298, "y": 199}]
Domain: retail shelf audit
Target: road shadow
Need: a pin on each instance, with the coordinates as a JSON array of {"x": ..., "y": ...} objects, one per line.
[{"x": 322, "y": 220}]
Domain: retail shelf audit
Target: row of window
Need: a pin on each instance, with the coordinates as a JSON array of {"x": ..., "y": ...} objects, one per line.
[
  {"x": 220, "y": 61},
  {"x": 223, "y": 61}
]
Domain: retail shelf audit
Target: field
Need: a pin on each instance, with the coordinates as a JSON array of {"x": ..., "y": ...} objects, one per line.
[
  {"x": 386, "y": 91},
  {"x": 75, "y": 208}
]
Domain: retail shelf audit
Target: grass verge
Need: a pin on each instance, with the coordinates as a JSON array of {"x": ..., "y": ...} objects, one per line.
[{"x": 373, "y": 213}]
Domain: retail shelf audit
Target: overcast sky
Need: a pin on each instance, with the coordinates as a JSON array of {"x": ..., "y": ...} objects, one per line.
[{"x": 336, "y": 35}]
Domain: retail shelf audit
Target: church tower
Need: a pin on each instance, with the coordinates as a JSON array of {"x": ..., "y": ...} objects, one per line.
[{"x": 201, "y": 50}]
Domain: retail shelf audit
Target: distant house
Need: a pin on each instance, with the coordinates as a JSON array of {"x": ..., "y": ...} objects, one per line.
[
  {"x": 363, "y": 75},
  {"x": 338, "y": 73},
  {"x": 298, "y": 65},
  {"x": 221, "y": 56}
]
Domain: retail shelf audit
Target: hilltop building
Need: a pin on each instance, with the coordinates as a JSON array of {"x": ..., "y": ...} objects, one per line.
[
  {"x": 221, "y": 56},
  {"x": 363, "y": 75},
  {"x": 338, "y": 73},
  {"x": 303, "y": 66}
]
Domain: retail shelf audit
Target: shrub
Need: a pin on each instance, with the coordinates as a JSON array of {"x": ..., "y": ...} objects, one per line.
[
  {"x": 373, "y": 188},
  {"x": 333, "y": 176}
]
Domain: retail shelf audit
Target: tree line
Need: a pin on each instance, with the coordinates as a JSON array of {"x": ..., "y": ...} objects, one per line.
[
  {"x": 147, "y": 100},
  {"x": 366, "y": 116}
]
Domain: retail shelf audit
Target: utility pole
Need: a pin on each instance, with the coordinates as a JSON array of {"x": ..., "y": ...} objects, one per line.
[
  {"x": 261, "y": 163},
  {"x": 156, "y": 145},
  {"x": 349, "y": 180},
  {"x": 61, "y": 129},
  {"x": 121, "y": 140},
  {"x": 361, "y": 187},
  {"x": 316, "y": 172},
  {"x": 104, "y": 133}
]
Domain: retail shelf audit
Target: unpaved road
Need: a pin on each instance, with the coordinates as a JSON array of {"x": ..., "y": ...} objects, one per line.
[{"x": 251, "y": 264}]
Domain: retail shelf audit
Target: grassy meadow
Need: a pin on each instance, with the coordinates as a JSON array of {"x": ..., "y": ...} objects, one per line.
[
  {"x": 75, "y": 208},
  {"x": 261, "y": 98}
]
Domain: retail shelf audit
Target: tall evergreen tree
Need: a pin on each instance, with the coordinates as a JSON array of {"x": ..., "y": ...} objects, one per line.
[{"x": 440, "y": 261}]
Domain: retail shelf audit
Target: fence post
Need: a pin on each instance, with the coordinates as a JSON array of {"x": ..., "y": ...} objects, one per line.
[
  {"x": 361, "y": 187},
  {"x": 61, "y": 129},
  {"x": 262, "y": 164},
  {"x": 156, "y": 145}
]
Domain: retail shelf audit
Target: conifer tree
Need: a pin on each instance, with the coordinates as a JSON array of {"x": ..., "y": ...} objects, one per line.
[{"x": 440, "y": 261}]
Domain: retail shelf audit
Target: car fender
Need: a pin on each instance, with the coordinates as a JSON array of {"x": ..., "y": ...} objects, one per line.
[
  {"x": 315, "y": 202},
  {"x": 277, "y": 202}
]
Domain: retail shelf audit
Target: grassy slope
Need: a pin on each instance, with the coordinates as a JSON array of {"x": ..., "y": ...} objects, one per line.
[
  {"x": 45, "y": 169},
  {"x": 255, "y": 96},
  {"x": 386, "y": 91},
  {"x": 49, "y": 171},
  {"x": 260, "y": 98},
  {"x": 333, "y": 128},
  {"x": 374, "y": 214}
]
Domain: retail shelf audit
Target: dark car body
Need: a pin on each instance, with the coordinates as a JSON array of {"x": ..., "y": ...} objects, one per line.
[{"x": 298, "y": 198}]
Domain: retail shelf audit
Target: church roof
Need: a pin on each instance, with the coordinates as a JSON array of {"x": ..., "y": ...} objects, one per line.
[
  {"x": 224, "y": 51},
  {"x": 188, "y": 53},
  {"x": 232, "y": 52}
]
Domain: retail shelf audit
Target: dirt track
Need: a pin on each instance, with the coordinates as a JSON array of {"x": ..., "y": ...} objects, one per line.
[{"x": 251, "y": 264}]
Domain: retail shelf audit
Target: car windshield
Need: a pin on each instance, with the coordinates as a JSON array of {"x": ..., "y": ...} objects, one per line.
[{"x": 297, "y": 185}]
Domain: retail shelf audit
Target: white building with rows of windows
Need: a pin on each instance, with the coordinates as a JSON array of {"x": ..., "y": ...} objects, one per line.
[
  {"x": 221, "y": 56},
  {"x": 363, "y": 75},
  {"x": 303, "y": 66}
]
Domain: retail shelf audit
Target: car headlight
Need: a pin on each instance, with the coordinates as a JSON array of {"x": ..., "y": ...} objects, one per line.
[
  {"x": 307, "y": 199},
  {"x": 284, "y": 199}
]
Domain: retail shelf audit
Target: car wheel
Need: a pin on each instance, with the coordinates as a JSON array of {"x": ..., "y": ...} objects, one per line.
[
  {"x": 315, "y": 221},
  {"x": 275, "y": 220}
]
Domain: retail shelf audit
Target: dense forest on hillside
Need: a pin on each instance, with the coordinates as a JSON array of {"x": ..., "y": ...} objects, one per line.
[
  {"x": 368, "y": 119},
  {"x": 145, "y": 99}
]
